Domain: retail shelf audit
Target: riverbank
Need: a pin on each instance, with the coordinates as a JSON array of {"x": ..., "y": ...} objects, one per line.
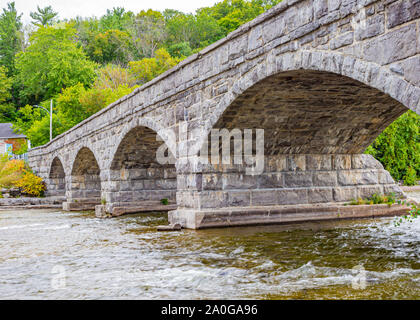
[{"x": 31, "y": 203}]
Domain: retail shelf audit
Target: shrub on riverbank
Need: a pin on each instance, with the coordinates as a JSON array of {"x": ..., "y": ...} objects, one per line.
[
  {"x": 375, "y": 199},
  {"x": 16, "y": 174}
]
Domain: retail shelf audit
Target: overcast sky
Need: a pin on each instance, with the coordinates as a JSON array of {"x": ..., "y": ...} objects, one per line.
[{"x": 88, "y": 8}]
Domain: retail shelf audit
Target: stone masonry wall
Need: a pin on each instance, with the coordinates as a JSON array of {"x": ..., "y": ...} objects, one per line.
[
  {"x": 287, "y": 179},
  {"x": 374, "y": 43}
]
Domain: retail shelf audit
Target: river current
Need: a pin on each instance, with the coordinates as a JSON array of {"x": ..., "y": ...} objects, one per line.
[{"x": 49, "y": 254}]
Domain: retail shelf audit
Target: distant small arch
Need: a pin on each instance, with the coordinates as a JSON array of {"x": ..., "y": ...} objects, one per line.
[
  {"x": 85, "y": 177},
  {"x": 57, "y": 179}
]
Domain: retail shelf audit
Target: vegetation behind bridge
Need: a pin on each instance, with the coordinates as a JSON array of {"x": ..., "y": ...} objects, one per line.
[{"x": 84, "y": 64}]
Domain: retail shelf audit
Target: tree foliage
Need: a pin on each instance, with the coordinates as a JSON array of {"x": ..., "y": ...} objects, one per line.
[
  {"x": 398, "y": 148},
  {"x": 44, "y": 16},
  {"x": 7, "y": 110},
  {"x": 149, "y": 68},
  {"x": 52, "y": 62},
  {"x": 10, "y": 37}
]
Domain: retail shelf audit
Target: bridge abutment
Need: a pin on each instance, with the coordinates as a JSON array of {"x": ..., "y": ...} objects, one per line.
[{"x": 289, "y": 189}]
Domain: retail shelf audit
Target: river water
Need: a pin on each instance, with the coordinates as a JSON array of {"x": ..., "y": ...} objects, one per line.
[{"x": 48, "y": 254}]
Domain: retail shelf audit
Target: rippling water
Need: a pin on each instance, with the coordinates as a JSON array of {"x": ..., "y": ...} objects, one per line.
[{"x": 126, "y": 258}]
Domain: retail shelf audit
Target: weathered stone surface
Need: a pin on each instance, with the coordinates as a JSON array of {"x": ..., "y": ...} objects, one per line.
[
  {"x": 410, "y": 69},
  {"x": 341, "y": 41},
  {"x": 374, "y": 26},
  {"x": 320, "y": 195},
  {"x": 342, "y": 194},
  {"x": 323, "y": 78},
  {"x": 327, "y": 178},
  {"x": 402, "y": 12},
  {"x": 393, "y": 46}
]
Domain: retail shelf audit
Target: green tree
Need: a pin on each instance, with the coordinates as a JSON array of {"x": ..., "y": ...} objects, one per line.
[
  {"x": 112, "y": 76},
  {"x": 230, "y": 14},
  {"x": 180, "y": 50},
  {"x": 113, "y": 46},
  {"x": 44, "y": 16},
  {"x": 398, "y": 148},
  {"x": 76, "y": 103},
  {"x": 51, "y": 63},
  {"x": 149, "y": 68},
  {"x": 115, "y": 19},
  {"x": 197, "y": 30},
  {"x": 10, "y": 37},
  {"x": 7, "y": 110},
  {"x": 148, "y": 32}
]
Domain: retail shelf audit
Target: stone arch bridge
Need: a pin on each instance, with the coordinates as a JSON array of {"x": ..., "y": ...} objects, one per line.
[{"x": 323, "y": 78}]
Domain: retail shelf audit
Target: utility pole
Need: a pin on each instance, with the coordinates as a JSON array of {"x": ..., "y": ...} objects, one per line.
[
  {"x": 51, "y": 120},
  {"x": 50, "y": 113}
]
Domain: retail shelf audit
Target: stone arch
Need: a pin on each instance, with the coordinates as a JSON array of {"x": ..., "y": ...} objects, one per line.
[
  {"x": 319, "y": 111},
  {"x": 379, "y": 79},
  {"x": 136, "y": 177},
  {"x": 167, "y": 135},
  {"x": 85, "y": 184},
  {"x": 56, "y": 178}
]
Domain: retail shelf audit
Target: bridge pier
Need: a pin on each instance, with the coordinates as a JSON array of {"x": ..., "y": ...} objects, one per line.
[
  {"x": 298, "y": 187},
  {"x": 138, "y": 190}
]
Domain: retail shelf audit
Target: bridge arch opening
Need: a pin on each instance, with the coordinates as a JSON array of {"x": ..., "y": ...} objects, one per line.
[
  {"x": 85, "y": 179},
  {"x": 316, "y": 126},
  {"x": 308, "y": 111},
  {"x": 57, "y": 179},
  {"x": 139, "y": 181}
]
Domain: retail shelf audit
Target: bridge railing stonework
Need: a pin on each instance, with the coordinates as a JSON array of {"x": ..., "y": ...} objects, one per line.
[{"x": 320, "y": 77}]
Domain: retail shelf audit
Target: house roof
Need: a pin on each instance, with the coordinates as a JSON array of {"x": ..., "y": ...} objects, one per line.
[{"x": 6, "y": 132}]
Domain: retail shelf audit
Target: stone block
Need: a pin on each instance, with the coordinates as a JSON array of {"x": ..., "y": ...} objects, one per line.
[
  {"x": 357, "y": 177},
  {"x": 342, "y": 40},
  {"x": 320, "y": 195},
  {"x": 384, "y": 177},
  {"x": 239, "y": 181},
  {"x": 264, "y": 197},
  {"x": 393, "y": 188},
  {"x": 213, "y": 199},
  {"x": 374, "y": 26},
  {"x": 341, "y": 161},
  {"x": 276, "y": 163},
  {"x": 402, "y": 12},
  {"x": 318, "y": 162},
  {"x": 341, "y": 194},
  {"x": 292, "y": 196},
  {"x": 367, "y": 191},
  {"x": 365, "y": 161},
  {"x": 392, "y": 46},
  {"x": 325, "y": 178},
  {"x": 239, "y": 198},
  {"x": 298, "y": 179},
  {"x": 212, "y": 181},
  {"x": 270, "y": 180},
  {"x": 296, "y": 162}
]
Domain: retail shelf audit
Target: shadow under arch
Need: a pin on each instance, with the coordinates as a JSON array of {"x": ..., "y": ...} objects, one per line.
[
  {"x": 138, "y": 179},
  {"x": 312, "y": 112},
  {"x": 338, "y": 73},
  {"x": 85, "y": 179},
  {"x": 57, "y": 179}
]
